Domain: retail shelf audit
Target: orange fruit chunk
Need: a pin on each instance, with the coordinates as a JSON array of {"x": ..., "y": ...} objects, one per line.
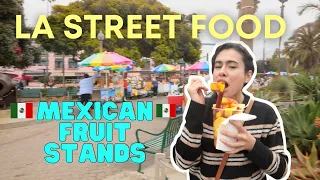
[
  {"x": 217, "y": 122},
  {"x": 217, "y": 86}
]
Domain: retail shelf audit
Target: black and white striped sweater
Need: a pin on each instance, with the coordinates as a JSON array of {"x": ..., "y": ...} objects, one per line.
[{"x": 194, "y": 149}]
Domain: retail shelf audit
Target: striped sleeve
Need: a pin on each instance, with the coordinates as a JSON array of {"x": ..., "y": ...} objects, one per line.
[
  {"x": 187, "y": 150},
  {"x": 269, "y": 152}
]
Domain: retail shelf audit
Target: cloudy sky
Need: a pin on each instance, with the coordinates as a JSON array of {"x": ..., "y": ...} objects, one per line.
[{"x": 210, "y": 8}]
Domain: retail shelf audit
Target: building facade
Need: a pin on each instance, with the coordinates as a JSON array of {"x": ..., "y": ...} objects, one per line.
[{"x": 55, "y": 64}]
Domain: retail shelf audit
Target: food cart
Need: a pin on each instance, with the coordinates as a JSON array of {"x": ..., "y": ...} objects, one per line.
[
  {"x": 111, "y": 88},
  {"x": 136, "y": 86},
  {"x": 163, "y": 88}
]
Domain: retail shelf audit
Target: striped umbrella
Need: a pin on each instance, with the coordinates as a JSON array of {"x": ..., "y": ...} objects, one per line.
[
  {"x": 294, "y": 74},
  {"x": 164, "y": 68},
  {"x": 200, "y": 66},
  {"x": 105, "y": 59},
  {"x": 119, "y": 68},
  {"x": 283, "y": 74}
]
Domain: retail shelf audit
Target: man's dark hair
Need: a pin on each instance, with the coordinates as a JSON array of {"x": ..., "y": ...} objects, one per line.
[
  {"x": 86, "y": 75},
  {"x": 246, "y": 57}
]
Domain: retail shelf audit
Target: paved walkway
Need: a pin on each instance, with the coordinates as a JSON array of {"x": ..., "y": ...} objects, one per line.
[
  {"x": 6, "y": 122},
  {"x": 22, "y": 154}
]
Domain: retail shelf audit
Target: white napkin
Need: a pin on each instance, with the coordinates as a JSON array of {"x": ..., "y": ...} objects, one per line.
[{"x": 227, "y": 126}]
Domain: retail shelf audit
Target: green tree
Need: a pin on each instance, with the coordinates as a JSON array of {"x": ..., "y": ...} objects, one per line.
[
  {"x": 162, "y": 50},
  {"x": 132, "y": 54},
  {"x": 273, "y": 63},
  {"x": 63, "y": 45},
  {"x": 303, "y": 46},
  {"x": 261, "y": 66},
  {"x": 17, "y": 53}
]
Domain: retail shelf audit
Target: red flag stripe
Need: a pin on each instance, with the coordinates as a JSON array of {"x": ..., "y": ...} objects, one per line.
[
  {"x": 173, "y": 110},
  {"x": 29, "y": 110}
]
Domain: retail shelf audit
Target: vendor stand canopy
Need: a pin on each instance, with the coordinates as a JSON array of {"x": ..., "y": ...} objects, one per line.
[
  {"x": 294, "y": 74},
  {"x": 23, "y": 77},
  {"x": 199, "y": 66},
  {"x": 105, "y": 59},
  {"x": 281, "y": 73},
  {"x": 271, "y": 73},
  {"x": 164, "y": 68},
  {"x": 117, "y": 68}
]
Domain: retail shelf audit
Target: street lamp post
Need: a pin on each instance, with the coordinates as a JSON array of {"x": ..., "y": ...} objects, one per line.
[
  {"x": 100, "y": 38},
  {"x": 264, "y": 55},
  {"x": 47, "y": 67},
  {"x": 282, "y": 15},
  {"x": 264, "y": 49},
  {"x": 63, "y": 70},
  {"x": 182, "y": 65}
]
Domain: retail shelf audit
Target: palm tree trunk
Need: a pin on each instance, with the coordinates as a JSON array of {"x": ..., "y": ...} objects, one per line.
[{"x": 247, "y": 7}]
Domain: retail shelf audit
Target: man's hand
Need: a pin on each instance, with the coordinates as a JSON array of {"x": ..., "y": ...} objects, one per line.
[{"x": 195, "y": 91}]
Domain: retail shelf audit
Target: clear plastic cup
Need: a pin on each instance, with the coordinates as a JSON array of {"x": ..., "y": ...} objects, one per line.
[{"x": 220, "y": 115}]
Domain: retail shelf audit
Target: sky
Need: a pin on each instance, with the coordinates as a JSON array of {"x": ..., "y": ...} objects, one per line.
[{"x": 210, "y": 8}]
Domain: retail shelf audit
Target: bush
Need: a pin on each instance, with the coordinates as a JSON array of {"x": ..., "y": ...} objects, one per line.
[
  {"x": 309, "y": 165},
  {"x": 281, "y": 84},
  {"x": 267, "y": 95},
  {"x": 303, "y": 85},
  {"x": 299, "y": 126},
  {"x": 44, "y": 92}
]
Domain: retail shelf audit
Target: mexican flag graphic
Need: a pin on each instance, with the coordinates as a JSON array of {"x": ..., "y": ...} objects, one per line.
[
  {"x": 166, "y": 110},
  {"x": 21, "y": 110}
]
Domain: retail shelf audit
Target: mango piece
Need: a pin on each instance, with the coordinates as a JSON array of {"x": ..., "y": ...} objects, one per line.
[
  {"x": 225, "y": 101},
  {"x": 225, "y": 105},
  {"x": 217, "y": 122},
  {"x": 228, "y": 101},
  {"x": 217, "y": 86},
  {"x": 228, "y": 112},
  {"x": 218, "y": 115},
  {"x": 221, "y": 112},
  {"x": 216, "y": 133},
  {"x": 233, "y": 105}
]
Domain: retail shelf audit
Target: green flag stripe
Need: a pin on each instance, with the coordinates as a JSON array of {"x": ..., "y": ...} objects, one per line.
[
  {"x": 14, "y": 110},
  {"x": 159, "y": 110}
]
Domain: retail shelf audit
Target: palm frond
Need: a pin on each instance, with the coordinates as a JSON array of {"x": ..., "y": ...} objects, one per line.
[
  {"x": 304, "y": 45},
  {"x": 309, "y": 7}
]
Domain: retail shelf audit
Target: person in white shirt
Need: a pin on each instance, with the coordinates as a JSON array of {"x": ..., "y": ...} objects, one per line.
[{"x": 86, "y": 87}]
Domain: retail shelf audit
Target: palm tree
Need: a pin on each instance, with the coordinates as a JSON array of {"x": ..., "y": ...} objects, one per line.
[
  {"x": 310, "y": 7},
  {"x": 255, "y": 5},
  {"x": 303, "y": 46},
  {"x": 247, "y": 25}
]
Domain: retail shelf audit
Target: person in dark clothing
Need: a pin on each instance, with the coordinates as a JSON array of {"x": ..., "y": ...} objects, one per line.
[
  {"x": 260, "y": 149},
  {"x": 155, "y": 87},
  {"x": 86, "y": 87},
  {"x": 125, "y": 86},
  {"x": 20, "y": 85}
]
